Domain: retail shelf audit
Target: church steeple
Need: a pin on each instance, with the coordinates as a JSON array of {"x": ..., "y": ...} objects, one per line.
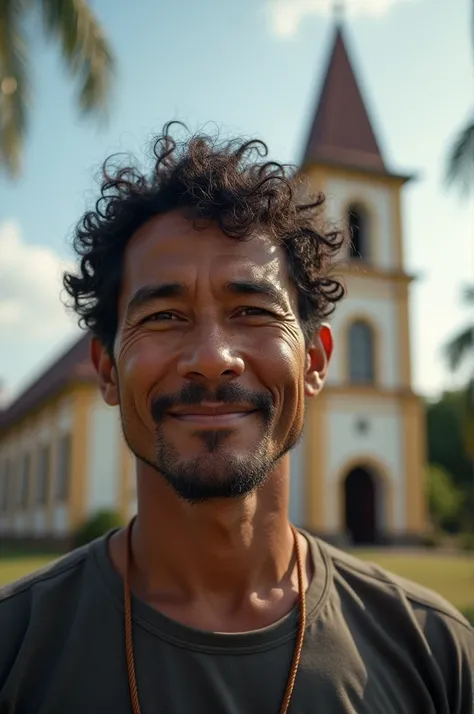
[{"x": 341, "y": 132}]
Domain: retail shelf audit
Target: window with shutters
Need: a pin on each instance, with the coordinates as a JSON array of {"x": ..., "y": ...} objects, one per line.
[
  {"x": 5, "y": 478},
  {"x": 43, "y": 475},
  {"x": 63, "y": 468},
  {"x": 25, "y": 475},
  {"x": 361, "y": 357}
]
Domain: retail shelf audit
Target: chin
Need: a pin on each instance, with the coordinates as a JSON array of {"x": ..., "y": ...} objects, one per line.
[{"x": 215, "y": 476}]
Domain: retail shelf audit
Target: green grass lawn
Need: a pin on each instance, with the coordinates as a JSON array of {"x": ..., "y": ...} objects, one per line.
[
  {"x": 13, "y": 567},
  {"x": 451, "y": 575}
]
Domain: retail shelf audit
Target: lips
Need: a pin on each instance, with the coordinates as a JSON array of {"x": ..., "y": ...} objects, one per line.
[{"x": 212, "y": 414}]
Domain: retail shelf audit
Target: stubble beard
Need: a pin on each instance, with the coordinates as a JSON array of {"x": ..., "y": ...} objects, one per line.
[{"x": 216, "y": 472}]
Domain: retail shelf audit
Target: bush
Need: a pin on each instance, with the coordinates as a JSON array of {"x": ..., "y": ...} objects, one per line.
[
  {"x": 466, "y": 541},
  {"x": 432, "y": 539},
  {"x": 96, "y": 526},
  {"x": 468, "y": 613},
  {"x": 445, "y": 499}
]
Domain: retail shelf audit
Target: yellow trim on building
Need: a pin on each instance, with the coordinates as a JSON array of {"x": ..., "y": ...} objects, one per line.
[
  {"x": 397, "y": 227},
  {"x": 344, "y": 172},
  {"x": 363, "y": 391},
  {"x": 415, "y": 463},
  {"x": 53, "y": 468},
  {"x": 314, "y": 464},
  {"x": 404, "y": 341}
]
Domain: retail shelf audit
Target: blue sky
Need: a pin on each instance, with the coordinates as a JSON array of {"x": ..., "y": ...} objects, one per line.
[{"x": 253, "y": 67}]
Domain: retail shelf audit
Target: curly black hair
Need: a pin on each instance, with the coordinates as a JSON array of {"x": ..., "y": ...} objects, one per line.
[{"x": 226, "y": 182}]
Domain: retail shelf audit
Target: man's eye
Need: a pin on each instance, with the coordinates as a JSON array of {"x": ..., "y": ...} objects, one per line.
[
  {"x": 161, "y": 317},
  {"x": 254, "y": 311}
]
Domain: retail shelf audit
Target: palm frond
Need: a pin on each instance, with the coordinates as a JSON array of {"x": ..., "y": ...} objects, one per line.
[
  {"x": 459, "y": 348},
  {"x": 14, "y": 86},
  {"x": 468, "y": 294},
  {"x": 460, "y": 165},
  {"x": 468, "y": 419},
  {"x": 85, "y": 49}
]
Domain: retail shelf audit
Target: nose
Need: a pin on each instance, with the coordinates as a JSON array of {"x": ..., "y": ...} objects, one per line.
[{"x": 210, "y": 358}]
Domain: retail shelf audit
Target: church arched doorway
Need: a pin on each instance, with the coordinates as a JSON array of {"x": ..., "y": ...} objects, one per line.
[{"x": 363, "y": 505}]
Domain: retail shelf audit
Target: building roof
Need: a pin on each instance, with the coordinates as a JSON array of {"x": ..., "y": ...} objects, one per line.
[
  {"x": 72, "y": 366},
  {"x": 342, "y": 133}
]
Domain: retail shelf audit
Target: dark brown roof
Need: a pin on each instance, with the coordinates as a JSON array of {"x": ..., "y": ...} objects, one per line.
[
  {"x": 341, "y": 132},
  {"x": 73, "y": 366}
]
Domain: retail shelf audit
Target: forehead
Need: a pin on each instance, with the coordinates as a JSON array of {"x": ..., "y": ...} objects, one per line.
[{"x": 170, "y": 247}]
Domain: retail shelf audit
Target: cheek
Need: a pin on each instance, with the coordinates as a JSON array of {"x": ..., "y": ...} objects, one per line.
[
  {"x": 291, "y": 356},
  {"x": 283, "y": 370},
  {"x": 139, "y": 369}
]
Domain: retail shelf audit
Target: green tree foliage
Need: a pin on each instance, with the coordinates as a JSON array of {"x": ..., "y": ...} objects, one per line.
[
  {"x": 460, "y": 162},
  {"x": 85, "y": 52},
  {"x": 445, "y": 500},
  {"x": 459, "y": 349},
  {"x": 446, "y": 426},
  {"x": 96, "y": 526}
]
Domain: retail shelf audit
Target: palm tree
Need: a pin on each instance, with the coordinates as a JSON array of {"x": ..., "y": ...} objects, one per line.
[
  {"x": 460, "y": 172},
  {"x": 460, "y": 347},
  {"x": 85, "y": 52},
  {"x": 460, "y": 165},
  {"x": 457, "y": 351}
]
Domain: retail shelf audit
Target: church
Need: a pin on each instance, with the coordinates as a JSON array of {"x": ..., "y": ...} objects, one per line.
[{"x": 357, "y": 475}]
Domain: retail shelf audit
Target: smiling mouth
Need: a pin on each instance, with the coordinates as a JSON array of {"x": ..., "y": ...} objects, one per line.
[{"x": 212, "y": 416}]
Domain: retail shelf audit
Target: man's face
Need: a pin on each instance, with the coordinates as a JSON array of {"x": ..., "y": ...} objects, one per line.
[{"x": 211, "y": 367}]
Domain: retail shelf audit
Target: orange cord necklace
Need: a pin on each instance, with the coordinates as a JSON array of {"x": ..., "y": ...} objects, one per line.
[{"x": 129, "y": 636}]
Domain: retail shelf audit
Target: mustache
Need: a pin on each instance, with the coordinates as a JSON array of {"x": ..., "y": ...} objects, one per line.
[{"x": 229, "y": 393}]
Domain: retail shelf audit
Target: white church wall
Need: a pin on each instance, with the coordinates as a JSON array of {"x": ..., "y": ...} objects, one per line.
[
  {"x": 65, "y": 415},
  {"x": 20, "y": 523},
  {"x": 60, "y": 525},
  {"x": 377, "y": 199},
  {"x": 103, "y": 472},
  {"x": 39, "y": 521},
  {"x": 381, "y": 443}
]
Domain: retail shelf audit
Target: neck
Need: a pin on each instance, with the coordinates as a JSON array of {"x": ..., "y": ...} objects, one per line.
[{"x": 221, "y": 546}]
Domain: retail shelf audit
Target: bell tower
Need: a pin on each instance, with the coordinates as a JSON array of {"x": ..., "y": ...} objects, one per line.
[{"x": 358, "y": 473}]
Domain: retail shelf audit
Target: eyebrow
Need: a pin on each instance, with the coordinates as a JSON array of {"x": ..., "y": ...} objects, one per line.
[
  {"x": 149, "y": 293},
  {"x": 258, "y": 287}
]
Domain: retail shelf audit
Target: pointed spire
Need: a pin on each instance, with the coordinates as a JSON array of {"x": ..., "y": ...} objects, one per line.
[
  {"x": 338, "y": 9},
  {"x": 341, "y": 132}
]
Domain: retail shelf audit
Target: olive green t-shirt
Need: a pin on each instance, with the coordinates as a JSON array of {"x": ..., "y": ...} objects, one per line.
[{"x": 374, "y": 643}]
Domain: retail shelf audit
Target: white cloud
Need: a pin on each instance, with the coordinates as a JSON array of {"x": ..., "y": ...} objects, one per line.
[
  {"x": 285, "y": 16},
  {"x": 30, "y": 287}
]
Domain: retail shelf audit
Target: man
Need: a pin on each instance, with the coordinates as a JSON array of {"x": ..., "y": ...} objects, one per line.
[{"x": 206, "y": 286}]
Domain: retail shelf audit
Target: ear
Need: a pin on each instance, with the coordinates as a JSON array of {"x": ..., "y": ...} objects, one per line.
[
  {"x": 318, "y": 356},
  {"x": 106, "y": 371}
]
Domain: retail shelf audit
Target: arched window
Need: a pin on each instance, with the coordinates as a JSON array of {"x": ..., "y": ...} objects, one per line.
[
  {"x": 358, "y": 226},
  {"x": 361, "y": 357}
]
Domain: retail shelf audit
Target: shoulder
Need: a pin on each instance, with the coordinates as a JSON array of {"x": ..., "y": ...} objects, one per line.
[
  {"x": 410, "y": 612},
  {"x": 30, "y": 608},
  {"x": 392, "y": 586},
  {"x": 49, "y": 577}
]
